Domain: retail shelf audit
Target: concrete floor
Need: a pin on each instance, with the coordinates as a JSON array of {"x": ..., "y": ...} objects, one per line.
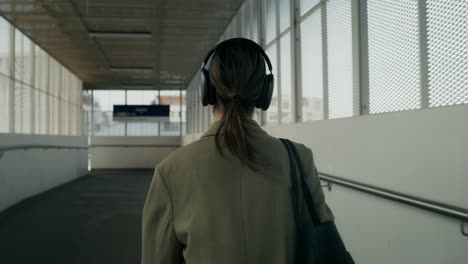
[{"x": 95, "y": 219}]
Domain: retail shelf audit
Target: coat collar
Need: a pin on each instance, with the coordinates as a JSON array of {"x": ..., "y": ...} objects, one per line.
[{"x": 252, "y": 126}]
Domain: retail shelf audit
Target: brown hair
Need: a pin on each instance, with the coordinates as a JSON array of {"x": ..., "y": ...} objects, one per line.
[{"x": 237, "y": 72}]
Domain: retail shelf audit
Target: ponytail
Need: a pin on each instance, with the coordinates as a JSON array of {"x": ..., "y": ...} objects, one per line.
[
  {"x": 237, "y": 73},
  {"x": 236, "y": 133}
]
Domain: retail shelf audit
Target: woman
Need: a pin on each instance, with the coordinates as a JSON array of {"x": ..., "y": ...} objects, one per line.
[{"x": 226, "y": 198}]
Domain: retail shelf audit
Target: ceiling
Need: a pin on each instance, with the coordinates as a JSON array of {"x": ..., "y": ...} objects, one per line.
[{"x": 163, "y": 49}]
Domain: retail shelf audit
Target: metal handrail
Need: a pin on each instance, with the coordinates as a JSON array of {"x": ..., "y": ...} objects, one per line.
[
  {"x": 24, "y": 147},
  {"x": 134, "y": 146},
  {"x": 425, "y": 204}
]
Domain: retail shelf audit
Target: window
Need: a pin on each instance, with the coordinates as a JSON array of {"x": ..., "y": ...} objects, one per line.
[
  {"x": 103, "y": 102},
  {"x": 285, "y": 16},
  {"x": 4, "y": 76},
  {"x": 272, "y": 112},
  {"x": 447, "y": 35},
  {"x": 312, "y": 73},
  {"x": 4, "y": 47},
  {"x": 269, "y": 20},
  {"x": 286, "y": 79},
  {"x": 394, "y": 74},
  {"x": 147, "y": 127},
  {"x": 306, "y": 5},
  {"x": 19, "y": 63},
  {"x": 340, "y": 59},
  {"x": 4, "y": 104},
  {"x": 173, "y": 99},
  {"x": 45, "y": 104}
]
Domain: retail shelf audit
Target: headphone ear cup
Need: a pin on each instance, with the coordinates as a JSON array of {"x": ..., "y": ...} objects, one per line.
[
  {"x": 208, "y": 93},
  {"x": 263, "y": 102},
  {"x": 204, "y": 87},
  {"x": 211, "y": 93}
]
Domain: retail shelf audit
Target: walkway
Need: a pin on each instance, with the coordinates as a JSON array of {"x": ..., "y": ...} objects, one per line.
[{"x": 95, "y": 219}]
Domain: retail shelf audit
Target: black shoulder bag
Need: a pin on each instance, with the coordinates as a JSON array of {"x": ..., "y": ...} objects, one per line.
[{"x": 317, "y": 243}]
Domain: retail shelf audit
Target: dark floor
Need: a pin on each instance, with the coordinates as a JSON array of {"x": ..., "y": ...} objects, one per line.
[{"x": 95, "y": 219}]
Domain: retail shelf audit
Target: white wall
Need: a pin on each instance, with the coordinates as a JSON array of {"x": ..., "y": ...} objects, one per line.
[
  {"x": 421, "y": 152},
  {"x": 131, "y": 152},
  {"x": 24, "y": 173}
]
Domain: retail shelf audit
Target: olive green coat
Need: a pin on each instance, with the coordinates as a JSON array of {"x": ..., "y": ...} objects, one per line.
[{"x": 202, "y": 208}]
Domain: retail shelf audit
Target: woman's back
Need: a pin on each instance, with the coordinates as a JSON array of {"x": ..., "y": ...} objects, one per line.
[{"x": 204, "y": 208}]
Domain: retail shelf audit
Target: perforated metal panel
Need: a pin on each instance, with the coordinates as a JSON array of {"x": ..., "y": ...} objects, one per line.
[
  {"x": 394, "y": 73},
  {"x": 306, "y": 5},
  {"x": 340, "y": 59},
  {"x": 311, "y": 67},
  {"x": 447, "y": 34}
]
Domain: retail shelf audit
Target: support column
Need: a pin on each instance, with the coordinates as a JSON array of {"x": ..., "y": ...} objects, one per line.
[
  {"x": 360, "y": 57},
  {"x": 423, "y": 54}
]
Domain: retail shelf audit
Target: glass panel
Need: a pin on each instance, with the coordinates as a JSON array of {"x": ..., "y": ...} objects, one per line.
[
  {"x": 42, "y": 71},
  {"x": 142, "y": 128},
  {"x": 37, "y": 92},
  {"x": 285, "y": 16},
  {"x": 55, "y": 116},
  {"x": 18, "y": 107},
  {"x": 254, "y": 20},
  {"x": 184, "y": 112},
  {"x": 54, "y": 77},
  {"x": 306, "y": 5},
  {"x": 40, "y": 111},
  {"x": 65, "y": 101},
  {"x": 4, "y": 104},
  {"x": 27, "y": 60},
  {"x": 172, "y": 127},
  {"x": 142, "y": 97},
  {"x": 26, "y": 109},
  {"x": 311, "y": 72},
  {"x": 103, "y": 101},
  {"x": 4, "y": 47},
  {"x": 340, "y": 59},
  {"x": 272, "y": 112},
  {"x": 270, "y": 20},
  {"x": 104, "y": 125},
  {"x": 286, "y": 88},
  {"x": 86, "y": 106},
  {"x": 447, "y": 35},
  {"x": 19, "y": 64},
  {"x": 394, "y": 77}
]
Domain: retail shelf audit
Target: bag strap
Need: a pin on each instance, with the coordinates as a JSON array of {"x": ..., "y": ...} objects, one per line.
[
  {"x": 304, "y": 186},
  {"x": 294, "y": 191}
]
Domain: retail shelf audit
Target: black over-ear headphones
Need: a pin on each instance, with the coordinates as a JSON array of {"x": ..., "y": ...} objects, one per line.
[{"x": 209, "y": 92}]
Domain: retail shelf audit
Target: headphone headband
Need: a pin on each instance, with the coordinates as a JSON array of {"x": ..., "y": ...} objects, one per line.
[{"x": 229, "y": 41}]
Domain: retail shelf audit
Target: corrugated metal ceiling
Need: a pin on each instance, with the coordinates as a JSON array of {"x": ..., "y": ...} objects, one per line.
[{"x": 181, "y": 33}]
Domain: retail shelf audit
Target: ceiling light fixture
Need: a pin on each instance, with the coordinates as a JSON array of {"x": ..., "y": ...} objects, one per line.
[
  {"x": 132, "y": 70},
  {"x": 116, "y": 35},
  {"x": 138, "y": 87}
]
